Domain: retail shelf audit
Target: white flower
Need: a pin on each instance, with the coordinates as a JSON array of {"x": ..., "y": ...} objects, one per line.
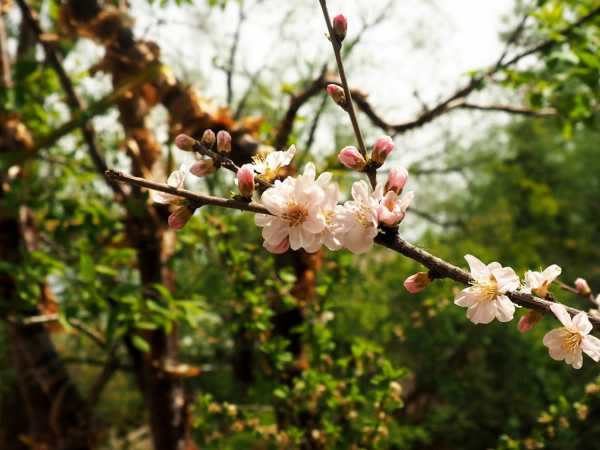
[
  {"x": 569, "y": 341},
  {"x": 392, "y": 208},
  {"x": 269, "y": 164},
  {"x": 296, "y": 207},
  {"x": 486, "y": 298},
  {"x": 537, "y": 283},
  {"x": 176, "y": 180},
  {"x": 332, "y": 197},
  {"x": 356, "y": 222}
]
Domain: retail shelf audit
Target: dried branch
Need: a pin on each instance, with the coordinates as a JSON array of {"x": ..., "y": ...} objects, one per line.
[
  {"x": 387, "y": 238},
  {"x": 5, "y": 74}
]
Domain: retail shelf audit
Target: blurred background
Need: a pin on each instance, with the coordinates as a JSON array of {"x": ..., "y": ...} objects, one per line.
[{"x": 119, "y": 333}]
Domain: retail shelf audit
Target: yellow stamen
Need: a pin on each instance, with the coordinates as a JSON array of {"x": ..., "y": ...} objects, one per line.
[{"x": 295, "y": 215}]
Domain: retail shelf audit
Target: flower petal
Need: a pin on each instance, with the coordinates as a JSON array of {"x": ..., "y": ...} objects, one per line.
[
  {"x": 561, "y": 314},
  {"x": 582, "y": 323},
  {"x": 505, "y": 309},
  {"x": 477, "y": 268}
]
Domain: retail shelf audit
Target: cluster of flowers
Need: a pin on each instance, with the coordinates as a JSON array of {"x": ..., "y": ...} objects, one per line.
[
  {"x": 305, "y": 211},
  {"x": 486, "y": 299}
]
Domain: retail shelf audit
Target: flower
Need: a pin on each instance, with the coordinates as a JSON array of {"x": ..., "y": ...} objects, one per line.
[
  {"x": 392, "y": 209},
  {"x": 382, "y": 149},
  {"x": 417, "y": 282},
  {"x": 356, "y": 220},
  {"x": 245, "y": 180},
  {"x": 208, "y": 138},
  {"x": 351, "y": 158},
  {"x": 485, "y": 298},
  {"x": 537, "y": 283},
  {"x": 328, "y": 206},
  {"x": 296, "y": 207},
  {"x": 529, "y": 320},
  {"x": 203, "y": 167},
  {"x": 269, "y": 164},
  {"x": 583, "y": 288},
  {"x": 397, "y": 179},
  {"x": 573, "y": 338},
  {"x": 176, "y": 180}
]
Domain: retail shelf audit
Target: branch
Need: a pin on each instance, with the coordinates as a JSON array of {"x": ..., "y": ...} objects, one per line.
[
  {"x": 5, "y": 74},
  {"x": 337, "y": 45},
  {"x": 388, "y": 238}
]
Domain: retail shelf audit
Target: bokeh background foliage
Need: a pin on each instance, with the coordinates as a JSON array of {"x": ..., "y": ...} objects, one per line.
[{"x": 141, "y": 327}]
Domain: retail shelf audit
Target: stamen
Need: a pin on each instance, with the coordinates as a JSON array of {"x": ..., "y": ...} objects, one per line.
[{"x": 295, "y": 215}]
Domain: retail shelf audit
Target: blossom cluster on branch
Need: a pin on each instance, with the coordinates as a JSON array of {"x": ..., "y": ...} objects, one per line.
[{"x": 306, "y": 212}]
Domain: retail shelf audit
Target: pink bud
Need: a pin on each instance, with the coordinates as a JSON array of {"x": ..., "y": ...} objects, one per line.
[
  {"x": 180, "y": 217},
  {"x": 397, "y": 179},
  {"x": 529, "y": 320},
  {"x": 279, "y": 248},
  {"x": 417, "y": 282},
  {"x": 340, "y": 26},
  {"x": 224, "y": 142},
  {"x": 203, "y": 167},
  {"x": 583, "y": 288},
  {"x": 337, "y": 94},
  {"x": 351, "y": 158},
  {"x": 382, "y": 149},
  {"x": 208, "y": 139},
  {"x": 245, "y": 179},
  {"x": 185, "y": 142}
]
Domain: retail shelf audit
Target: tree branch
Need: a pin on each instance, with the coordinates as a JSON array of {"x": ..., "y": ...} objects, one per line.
[{"x": 388, "y": 238}]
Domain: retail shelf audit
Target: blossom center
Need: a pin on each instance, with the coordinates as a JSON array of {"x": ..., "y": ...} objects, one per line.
[
  {"x": 571, "y": 342},
  {"x": 488, "y": 290},
  {"x": 295, "y": 215},
  {"x": 363, "y": 215}
]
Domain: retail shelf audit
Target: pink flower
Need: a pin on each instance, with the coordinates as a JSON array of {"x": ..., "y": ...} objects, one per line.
[
  {"x": 340, "y": 26},
  {"x": 382, "y": 149},
  {"x": 397, "y": 179},
  {"x": 392, "y": 209},
  {"x": 203, "y": 167},
  {"x": 185, "y": 142},
  {"x": 179, "y": 217},
  {"x": 245, "y": 180},
  {"x": 569, "y": 341},
  {"x": 417, "y": 282},
  {"x": 295, "y": 205},
  {"x": 538, "y": 283},
  {"x": 486, "y": 298},
  {"x": 351, "y": 158},
  {"x": 582, "y": 287},
  {"x": 529, "y": 320},
  {"x": 356, "y": 220},
  {"x": 223, "y": 142}
]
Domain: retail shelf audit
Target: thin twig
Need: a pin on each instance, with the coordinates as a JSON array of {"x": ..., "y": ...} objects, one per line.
[{"x": 388, "y": 238}]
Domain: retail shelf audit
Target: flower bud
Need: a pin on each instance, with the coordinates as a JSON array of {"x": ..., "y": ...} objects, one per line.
[
  {"x": 340, "y": 27},
  {"x": 351, "y": 158},
  {"x": 417, "y": 282},
  {"x": 529, "y": 320},
  {"x": 185, "y": 142},
  {"x": 208, "y": 139},
  {"x": 223, "y": 142},
  {"x": 582, "y": 287},
  {"x": 397, "y": 179},
  {"x": 337, "y": 94},
  {"x": 245, "y": 179},
  {"x": 382, "y": 149},
  {"x": 180, "y": 217},
  {"x": 203, "y": 167}
]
